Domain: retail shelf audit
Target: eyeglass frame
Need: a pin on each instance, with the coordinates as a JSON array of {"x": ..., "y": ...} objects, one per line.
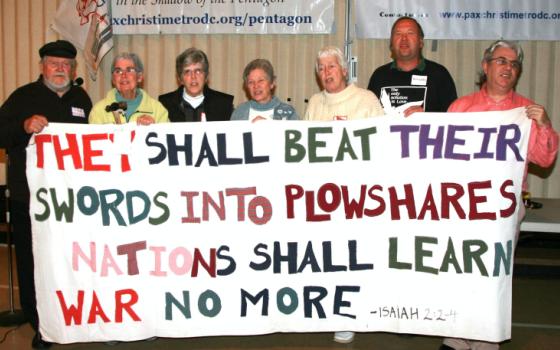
[
  {"x": 193, "y": 72},
  {"x": 502, "y": 61},
  {"x": 127, "y": 70}
]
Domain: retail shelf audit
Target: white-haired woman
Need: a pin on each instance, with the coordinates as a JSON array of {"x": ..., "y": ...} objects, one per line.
[{"x": 339, "y": 100}]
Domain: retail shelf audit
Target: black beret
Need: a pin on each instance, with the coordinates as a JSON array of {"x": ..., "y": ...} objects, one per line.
[{"x": 59, "y": 48}]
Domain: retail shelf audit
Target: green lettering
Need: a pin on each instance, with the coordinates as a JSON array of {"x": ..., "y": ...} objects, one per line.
[
  {"x": 472, "y": 251},
  {"x": 294, "y": 152},
  {"x": 165, "y": 215},
  {"x": 314, "y": 144},
  {"x": 422, "y": 253},
  {"x": 170, "y": 301},
  {"x": 345, "y": 147},
  {"x": 450, "y": 258},
  {"x": 503, "y": 257},
  {"x": 393, "y": 252},
  {"x": 47, "y": 212},
  {"x": 364, "y": 135}
]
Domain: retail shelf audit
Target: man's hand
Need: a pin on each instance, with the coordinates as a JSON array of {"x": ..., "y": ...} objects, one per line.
[
  {"x": 538, "y": 114},
  {"x": 35, "y": 123},
  {"x": 413, "y": 109}
]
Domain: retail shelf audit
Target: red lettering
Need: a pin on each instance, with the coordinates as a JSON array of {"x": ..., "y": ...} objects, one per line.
[
  {"x": 474, "y": 200},
  {"x": 266, "y": 208},
  {"x": 322, "y": 197},
  {"x": 73, "y": 151},
  {"x": 72, "y": 313},
  {"x": 352, "y": 207},
  {"x": 90, "y": 153},
  {"x": 125, "y": 164},
  {"x": 96, "y": 310},
  {"x": 310, "y": 208},
  {"x": 292, "y": 193},
  {"x": 131, "y": 250},
  {"x": 241, "y": 193},
  {"x": 208, "y": 201},
  {"x": 448, "y": 199},
  {"x": 504, "y": 213},
  {"x": 382, "y": 206},
  {"x": 40, "y": 141},
  {"x": 80, "y": 158},
  {"x": 429, "y": 205},
  {"x": 407, "y": 201},
  {"x": 198, "y": 259},
  {"x": 121, "y": 306},
  {"x": 191, "y": 218}
]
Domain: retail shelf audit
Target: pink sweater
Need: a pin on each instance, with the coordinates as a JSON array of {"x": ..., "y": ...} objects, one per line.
[{"x": 543, "y": 141}]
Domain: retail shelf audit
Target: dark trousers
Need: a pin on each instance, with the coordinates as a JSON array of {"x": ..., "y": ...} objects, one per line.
[{"x": 21, "y": 222}]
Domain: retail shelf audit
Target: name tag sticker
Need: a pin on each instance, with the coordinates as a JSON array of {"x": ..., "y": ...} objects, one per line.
[
  {"x": 419, "y": 80},
  {"x": 78, "y": 112}
]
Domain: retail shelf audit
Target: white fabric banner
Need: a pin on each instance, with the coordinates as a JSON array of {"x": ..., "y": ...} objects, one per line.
[
  {"x": 223, "y": 16},
  {"x": 87, "y": 24},
  {"x": 463, "y": 19},
  {"x": 235, "y": 228}
]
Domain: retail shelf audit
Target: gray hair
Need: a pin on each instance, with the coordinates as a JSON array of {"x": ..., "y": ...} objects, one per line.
[
  {"x": 128, "y": 56},
  {"x": 259, "y": 63},
  {"x": 489, "y": 52},
  {"x": 191, "y": 56},
  {"x": 503, "y": 43},
  {"x": 329, "y": 51}
]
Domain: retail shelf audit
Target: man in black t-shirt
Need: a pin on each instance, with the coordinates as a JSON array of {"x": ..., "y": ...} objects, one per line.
[{"x": 411, "y": 83}]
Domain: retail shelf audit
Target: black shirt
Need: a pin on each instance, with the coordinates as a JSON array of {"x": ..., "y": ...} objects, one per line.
[
  {"x": 216, "y": 106},
  {"x": 429, "y": 78},
  {"x": 35, "y": 98}
]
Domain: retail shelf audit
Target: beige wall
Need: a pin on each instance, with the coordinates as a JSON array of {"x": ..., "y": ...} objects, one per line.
[{"x": 292, "y": 56}]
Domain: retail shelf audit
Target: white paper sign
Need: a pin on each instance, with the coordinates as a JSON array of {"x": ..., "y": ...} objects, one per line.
[{"x": 234, "y": 228}]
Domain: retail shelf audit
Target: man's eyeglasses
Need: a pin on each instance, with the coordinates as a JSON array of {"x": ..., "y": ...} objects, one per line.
[
  {"x": 502, "y": 61},
  {"x": 128, "y": 70}
]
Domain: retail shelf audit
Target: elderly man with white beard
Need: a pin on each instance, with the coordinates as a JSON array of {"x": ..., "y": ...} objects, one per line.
[{"x": 54, "y": 97}]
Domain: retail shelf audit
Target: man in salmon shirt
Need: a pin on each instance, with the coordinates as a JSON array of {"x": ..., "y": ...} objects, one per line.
[{"x": 501, "y": 67}]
